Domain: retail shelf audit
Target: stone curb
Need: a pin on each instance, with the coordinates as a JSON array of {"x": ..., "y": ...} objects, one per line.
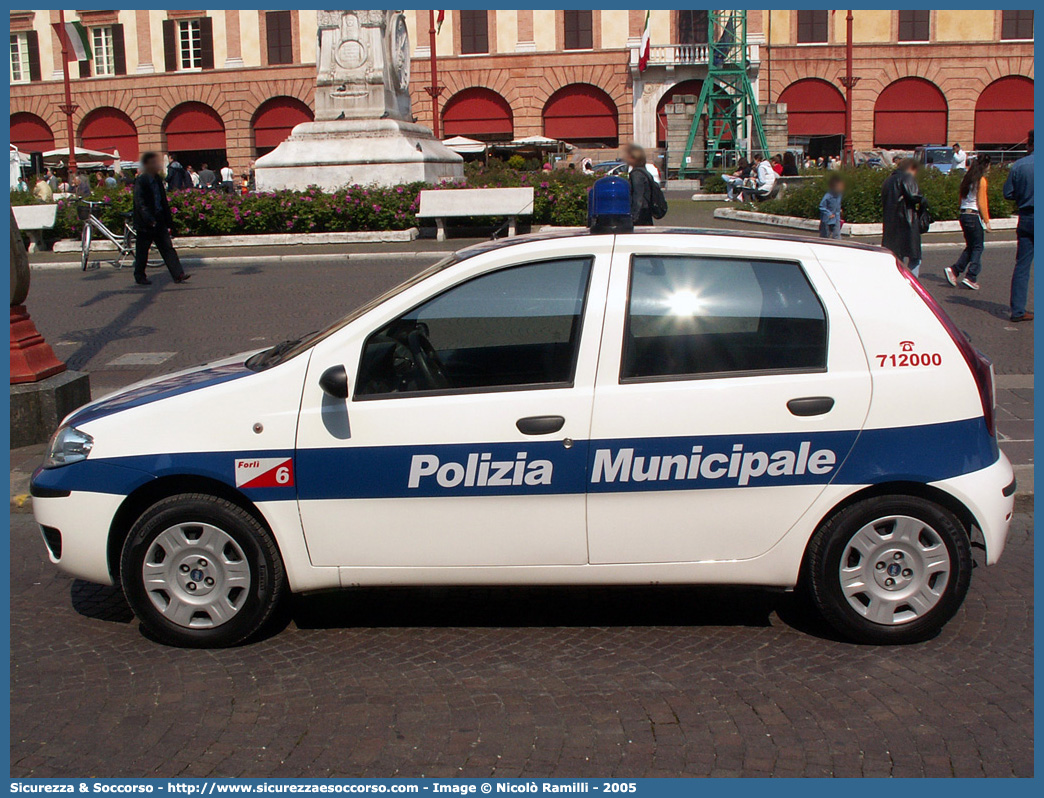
[
  {"x": 266, "y": 240},
  {"x": 226, "y": 261},
  {"x": 797, "y": 223}
]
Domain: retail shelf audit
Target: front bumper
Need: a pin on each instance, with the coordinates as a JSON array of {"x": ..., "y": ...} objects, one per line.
[
  {"x": 83, "y": 519},
  {"x": 990, "y": 497}
]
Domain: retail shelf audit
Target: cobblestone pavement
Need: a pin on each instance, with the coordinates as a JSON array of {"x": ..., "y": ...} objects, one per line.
[{"x": 520, "y": 682}]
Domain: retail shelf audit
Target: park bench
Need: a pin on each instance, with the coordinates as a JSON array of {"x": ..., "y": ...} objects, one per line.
[
  {"x": 443, "y": 204},
  {"x": 33, "y": 220}
]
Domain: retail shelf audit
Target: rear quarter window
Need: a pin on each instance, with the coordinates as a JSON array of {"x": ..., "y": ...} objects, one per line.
[{"x": 702, "y": 316}]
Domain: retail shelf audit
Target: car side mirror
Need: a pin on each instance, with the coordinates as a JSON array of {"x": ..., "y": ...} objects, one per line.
[{"x": 334, "y": 382}]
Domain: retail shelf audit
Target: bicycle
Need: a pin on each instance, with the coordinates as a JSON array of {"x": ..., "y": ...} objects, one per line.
[{"x": 124, "y": 245}]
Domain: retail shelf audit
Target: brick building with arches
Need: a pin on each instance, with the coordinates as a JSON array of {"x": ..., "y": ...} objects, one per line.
[{"x": 230, "y": 85}]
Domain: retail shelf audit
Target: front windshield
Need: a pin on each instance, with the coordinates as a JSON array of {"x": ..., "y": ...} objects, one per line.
[{"x": 282, "y": 352}]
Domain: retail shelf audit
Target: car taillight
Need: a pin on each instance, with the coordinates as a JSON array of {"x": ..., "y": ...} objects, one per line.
[{"x": 980, "y": 365}]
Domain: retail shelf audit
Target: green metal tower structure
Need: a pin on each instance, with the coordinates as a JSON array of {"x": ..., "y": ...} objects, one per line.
[{"x": 727, "y": 98}]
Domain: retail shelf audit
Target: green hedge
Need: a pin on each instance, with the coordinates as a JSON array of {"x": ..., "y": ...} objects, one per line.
[
  {"x": 560, "y": 198},
  {"x": 862, "y": 199}
]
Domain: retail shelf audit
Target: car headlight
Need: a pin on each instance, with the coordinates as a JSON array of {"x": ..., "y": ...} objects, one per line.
[{"x": 68, "y": 445}]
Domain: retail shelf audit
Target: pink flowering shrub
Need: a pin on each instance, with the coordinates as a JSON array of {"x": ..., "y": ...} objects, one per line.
[{"x": 560, "y": 198}]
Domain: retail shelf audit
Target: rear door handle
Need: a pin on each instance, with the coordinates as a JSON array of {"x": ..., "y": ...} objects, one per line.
[
  {"x": 811, "y": 405},
  {"x": 540, "y": 425}
]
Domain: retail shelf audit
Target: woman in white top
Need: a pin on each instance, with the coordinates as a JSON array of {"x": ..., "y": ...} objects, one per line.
[{"x": 975, "y": 220}]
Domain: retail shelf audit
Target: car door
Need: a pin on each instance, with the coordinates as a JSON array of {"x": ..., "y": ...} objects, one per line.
[
  {"x": 721, "y": 408},
  {"x": 463, "y": 441}
]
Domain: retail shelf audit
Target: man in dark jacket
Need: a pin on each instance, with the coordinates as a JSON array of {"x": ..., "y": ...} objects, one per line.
[
  {"x": 1019, "y": 189},
  {"x": 902, "y": 201},
  {"x": 153, "y": 221},
  {"x": 641, "y": 185},
  {"x": 177, "y": 176}
]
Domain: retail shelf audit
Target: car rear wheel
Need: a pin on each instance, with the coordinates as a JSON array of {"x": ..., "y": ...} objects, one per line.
[
  {"x": 200, "y": 571},
  {"x": 891, "y": 569}
]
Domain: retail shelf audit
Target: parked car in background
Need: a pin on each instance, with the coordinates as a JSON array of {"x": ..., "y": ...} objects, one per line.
[{"x": 936, "y": 157}]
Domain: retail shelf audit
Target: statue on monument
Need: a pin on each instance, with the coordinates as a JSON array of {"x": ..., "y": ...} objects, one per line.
[
  {"x": 363, "y": 131},
  {"x": 364, "y": 66}
]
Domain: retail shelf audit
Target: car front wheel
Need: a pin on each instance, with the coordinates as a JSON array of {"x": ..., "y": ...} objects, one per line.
[
  {"x": 200, "y": 571},
  {"x": 890, "y": 569}
]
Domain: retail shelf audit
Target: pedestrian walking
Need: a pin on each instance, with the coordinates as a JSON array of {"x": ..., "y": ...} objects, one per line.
[
  {"x": 960, "y": 157},
  {"x": 790, "y": 167},
  {"x": 193, "y": 176},
  {"x": 641, "y": 185},
  {"x": 830, "y": 208},
  {"x": 52, "y": 180},
  {"x": 903, "y": 203},
  {"x": 1019, "y": 189},
  {"x": 207, "y": 178},
  {"x": 153, "y": 221},
  {"x": 227, "y": 178},
  {"x": 975, "y": 221}
]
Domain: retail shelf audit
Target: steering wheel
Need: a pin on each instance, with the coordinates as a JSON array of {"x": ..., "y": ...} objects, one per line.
[{"x": 427, "y": 359}]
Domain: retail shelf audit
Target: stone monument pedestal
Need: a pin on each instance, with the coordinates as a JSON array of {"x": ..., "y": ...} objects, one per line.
[
  {"x": 37, "y": 408},
  {"x": 337, "y": 153},
  {"x": 363, "y": 133}
]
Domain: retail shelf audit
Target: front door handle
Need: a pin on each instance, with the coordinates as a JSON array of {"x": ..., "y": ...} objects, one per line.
[
  {"x": 811, "y": 405},
  {"x": 540, "y": 425}
]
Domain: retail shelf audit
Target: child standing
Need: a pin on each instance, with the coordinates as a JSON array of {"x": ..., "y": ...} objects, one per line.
[{"x": 830, "y": 209}]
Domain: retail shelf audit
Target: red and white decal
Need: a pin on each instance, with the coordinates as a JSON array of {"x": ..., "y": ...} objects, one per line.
[
  {"x": 265, "y": 472},
  {"x": 906, "y": 357}
]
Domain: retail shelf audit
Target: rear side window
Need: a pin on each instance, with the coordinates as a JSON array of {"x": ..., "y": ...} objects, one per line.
[
  {"x": 518, "y": 326},
  {"x": 695, "y": 316}
]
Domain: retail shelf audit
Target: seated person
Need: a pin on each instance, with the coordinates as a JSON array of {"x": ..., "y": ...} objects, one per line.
[{"x": 765, "y": 181}]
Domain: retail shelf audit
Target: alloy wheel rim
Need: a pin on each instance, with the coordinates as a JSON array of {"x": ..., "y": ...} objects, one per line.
[
  {"x": 196, "y": 575},
  {"x": 894, "y": 570}
]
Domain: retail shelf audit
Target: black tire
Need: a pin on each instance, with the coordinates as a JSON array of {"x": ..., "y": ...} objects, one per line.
[
  {"x": 267, "y": 585},
  {"x": 830, "y": 542},
  {"x": 85, "y": 245}
]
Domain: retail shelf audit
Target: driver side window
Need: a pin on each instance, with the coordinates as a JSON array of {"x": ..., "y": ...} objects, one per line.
[{"x": 516, "y": 327}]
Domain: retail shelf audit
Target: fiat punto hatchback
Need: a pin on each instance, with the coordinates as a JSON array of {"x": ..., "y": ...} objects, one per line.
[{"x": 660, "y": 406}]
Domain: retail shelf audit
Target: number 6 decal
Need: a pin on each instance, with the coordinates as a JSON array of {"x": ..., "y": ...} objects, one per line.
[{"x": 265, "y": 472}]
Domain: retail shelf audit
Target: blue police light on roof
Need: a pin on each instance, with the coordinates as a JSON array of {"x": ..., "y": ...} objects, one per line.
[{"x": 609, "y": 206}]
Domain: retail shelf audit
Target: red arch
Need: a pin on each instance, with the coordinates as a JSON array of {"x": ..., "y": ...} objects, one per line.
[
  {"x": 1004, "y": 112},
  {"x": 685, "y": 87},
  {"x": 193, "y": 126},
  {"x": 814, "y": 108},
  {"x": 478, "y": 113},
  {"x": 106, "y": 129},
  {"x": 581, "y": 112},
  {"x": 275, "y": 118},
  {"x": 29, "y": 133},
  {"x": 909, "y": 113}
]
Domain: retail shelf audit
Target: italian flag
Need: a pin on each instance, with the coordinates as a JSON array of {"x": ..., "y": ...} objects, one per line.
[
  {"x": 438, "y": 22},
  {"x": 643, "y": 48},
  {"x": 75, "y": 39}
]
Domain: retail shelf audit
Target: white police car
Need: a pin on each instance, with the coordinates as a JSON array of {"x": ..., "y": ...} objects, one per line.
[{"x": 662, "y": 406}]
